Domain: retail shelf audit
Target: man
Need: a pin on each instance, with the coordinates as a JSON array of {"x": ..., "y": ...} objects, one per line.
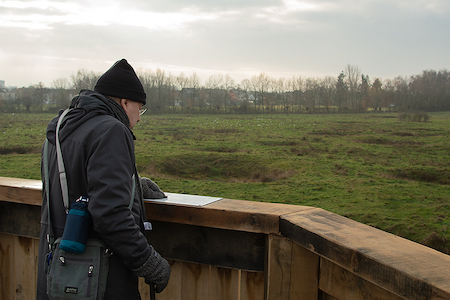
[{"x": 97, "y": 147}]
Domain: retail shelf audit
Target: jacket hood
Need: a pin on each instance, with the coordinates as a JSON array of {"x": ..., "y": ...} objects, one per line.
[{"x": 85, "y": 106}]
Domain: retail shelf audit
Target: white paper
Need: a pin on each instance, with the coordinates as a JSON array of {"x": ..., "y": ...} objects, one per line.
[{"x": 185, "y": 199}]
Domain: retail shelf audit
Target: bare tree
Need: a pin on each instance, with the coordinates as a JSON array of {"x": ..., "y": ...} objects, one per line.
[
  {"x": 280, "y": 86},
  {"x": 328, "y": 90},
  {"x": 311, "y": 94},
  {"x": 388, "y": 94},
  {"x": 172, "y": 90},
  {"x": 62, "y": 94},
  {"x": 351, "y": 91},
  {"x": 245, "y": 86},
  {"x": 353, "y": 76},
  {"x": 147, "y": 79},
  {"x": 261, "y": 85},
  {"x": 254, "y": 87},
  {"x": 84, "y": 80},
  {"x": 401, "y": 95},
  {"x": 160, "y": 81},
  {"x": 182, "y": 82},
  {"x": 214, "y": 85},
  {"x": 39, "y": 95},
  {"x": 194, "y": 83},
  {"x": 228, "y": 84},
  {"x": 297, "y": 86},
  {"x": 24, "y": 97}
]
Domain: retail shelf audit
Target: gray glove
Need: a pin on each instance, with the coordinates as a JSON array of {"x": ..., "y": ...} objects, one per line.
[
  {"x": 151, "y": 190},
  {"x": 156, "y": 270}
]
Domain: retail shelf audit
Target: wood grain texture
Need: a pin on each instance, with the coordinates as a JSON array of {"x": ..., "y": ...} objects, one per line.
[
  {"x": 225, "y": 214},
  {"x": 278, "y": 268},
  {"x": 18, "y": 190},
  {"x": 224, "y": 283},
  {"x": 252, "y": 285},
  {"x": 342, "y": 284},
  {"x": 7, "y": 266},
  {"x": 173, "y": 290},
  {"x": 20, "y": 219},
  {"x": 304, "y": 274},
  {"x": 195, "y": 281},
  {"x": 213, "y": 246},
  {"x": 24, "y": 268},
  {"x": 400, "y": 266},
  {"x": 207, "y": 243}
]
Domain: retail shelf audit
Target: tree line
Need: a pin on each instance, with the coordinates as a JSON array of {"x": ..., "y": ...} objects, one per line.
[{"x": 350, "y": 91}]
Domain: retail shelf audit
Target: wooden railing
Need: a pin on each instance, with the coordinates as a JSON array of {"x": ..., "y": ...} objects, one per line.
[{"x": 234, "y": 249}]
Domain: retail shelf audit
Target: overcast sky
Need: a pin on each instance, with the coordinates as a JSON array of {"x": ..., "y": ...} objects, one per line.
[{"x": 45, "y": 40}]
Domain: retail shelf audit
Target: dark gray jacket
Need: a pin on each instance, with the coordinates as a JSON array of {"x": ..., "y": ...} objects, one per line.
[{"x": 98, "y": 152}]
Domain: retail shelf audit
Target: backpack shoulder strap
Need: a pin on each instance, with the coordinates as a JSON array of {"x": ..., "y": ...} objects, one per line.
[{"x": 61, "y": 168}]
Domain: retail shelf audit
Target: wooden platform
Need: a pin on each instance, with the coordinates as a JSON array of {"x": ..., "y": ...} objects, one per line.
[{"x": 234, "y": 249}]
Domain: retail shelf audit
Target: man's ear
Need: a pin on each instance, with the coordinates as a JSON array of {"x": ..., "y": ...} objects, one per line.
[{"x": 124, "y": 103}]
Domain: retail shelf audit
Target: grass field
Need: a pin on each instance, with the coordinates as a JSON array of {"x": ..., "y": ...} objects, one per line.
[{"x": 373, "y": 168}]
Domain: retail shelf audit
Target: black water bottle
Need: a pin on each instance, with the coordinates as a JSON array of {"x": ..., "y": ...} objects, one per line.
[{"x": 77, "y": 228}]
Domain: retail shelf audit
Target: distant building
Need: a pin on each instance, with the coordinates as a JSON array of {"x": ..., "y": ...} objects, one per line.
[{"x": 2, "y": 84}]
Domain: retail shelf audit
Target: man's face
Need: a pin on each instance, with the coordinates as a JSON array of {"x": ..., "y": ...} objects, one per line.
[{"x": 132, "y": 109}]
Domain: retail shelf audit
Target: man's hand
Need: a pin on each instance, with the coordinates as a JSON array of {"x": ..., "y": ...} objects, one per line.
[
  {"x": 151, "y": 190},
  {"x": 156, "y": 270}
]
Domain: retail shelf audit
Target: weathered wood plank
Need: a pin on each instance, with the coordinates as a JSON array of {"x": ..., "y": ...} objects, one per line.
[
  {"x": 398, "y": 265},
  {"x": 389, "y": 262},
  {"x": 20, "y": 219},
  {"x": 218, "y": 247},
  {"x": 195, "y": 281},
  {"x": 224, "y": 283},
  {"x": 173, "y": 290},
  {"x": 342, "y": 284},
  {"x": 6, "y": 266},
  {"x": 278, "y": 268},
  {"x": 252, "y": 285},
  {"x": 36, "y": 258},
  {"x": 292, "y": 271},
  {"x": 24, "y": 268},
  {"x": 21, "y": 190},
  {"x": 225, "y": 214},
  {"x": 325, "y": 296},
  {"x": 304, "y": 274}
]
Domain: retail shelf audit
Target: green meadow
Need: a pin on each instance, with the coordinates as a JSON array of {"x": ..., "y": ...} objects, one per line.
[{"x": 380, "y": 169}]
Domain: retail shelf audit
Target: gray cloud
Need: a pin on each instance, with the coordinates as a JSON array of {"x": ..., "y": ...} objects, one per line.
[
  {"x": 384, "y": 39},
  {"x": 205, "y": 5}
]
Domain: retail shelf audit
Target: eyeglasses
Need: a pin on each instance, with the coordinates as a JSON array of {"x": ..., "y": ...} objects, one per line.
[{"x": 142, "y": 110}]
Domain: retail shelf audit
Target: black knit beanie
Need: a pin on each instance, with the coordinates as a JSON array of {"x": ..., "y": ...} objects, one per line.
[{"x": 121, "y": 81}]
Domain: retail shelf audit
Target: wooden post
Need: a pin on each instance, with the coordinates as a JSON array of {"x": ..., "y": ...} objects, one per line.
[
  {"x": 304, "y": 274},
  {"x": 278, "y": 268},
  {"x": 292, "y": 271}
]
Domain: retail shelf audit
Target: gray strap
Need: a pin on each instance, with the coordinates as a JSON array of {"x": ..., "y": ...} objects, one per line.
[
  {"x": 47, "y": 193},
  {"x": 62, "y": 170}
]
